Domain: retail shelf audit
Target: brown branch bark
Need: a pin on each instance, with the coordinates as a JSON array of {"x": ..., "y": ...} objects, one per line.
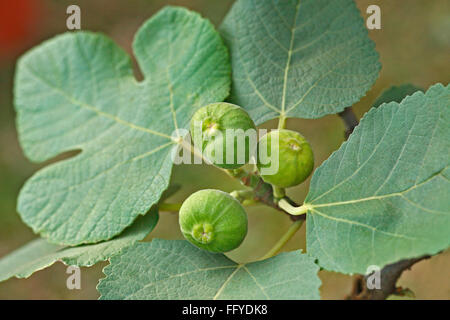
[
  {"x": 389, "y": 277},
  {"x": 263, "y": 192},
  {"x": 349, "y": 119}
]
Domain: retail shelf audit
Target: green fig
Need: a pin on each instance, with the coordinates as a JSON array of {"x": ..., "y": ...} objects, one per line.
[
  {"x": 213, "y": 220},
  {"x": 224, "y": 133},
  {"x": 294, "y": 155}
]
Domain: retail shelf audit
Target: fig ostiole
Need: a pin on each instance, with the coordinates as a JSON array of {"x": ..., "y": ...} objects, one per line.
[
  {"x": 224, "y": 133},
  {"x": 213, "y": 220},
  {"x": 293, "y": 153}
]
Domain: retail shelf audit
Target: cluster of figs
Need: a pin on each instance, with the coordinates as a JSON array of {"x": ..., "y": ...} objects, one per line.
[{"x": 214, "y": 220}]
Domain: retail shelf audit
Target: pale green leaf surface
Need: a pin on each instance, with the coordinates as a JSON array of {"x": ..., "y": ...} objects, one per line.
[
  {"x": 384, "y": 195},
  {"x": 39, "y": 254},
  {"x": 298, "y": 58},
  {"x": 77, "y": 91},
  {"x": 164, "y": 269},
  {"x": 395, "y": 94}
]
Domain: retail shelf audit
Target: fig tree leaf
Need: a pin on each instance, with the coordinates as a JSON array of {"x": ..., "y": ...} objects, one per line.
[
  {"x": 40, "y": 254},
  {"x": 383, "y": 196},
  {"x": 395, "y": 93},
  {"x": 164, "y": 269},
  {"x": 77, "y": 91},
  {"x": 298, "y": 58}
]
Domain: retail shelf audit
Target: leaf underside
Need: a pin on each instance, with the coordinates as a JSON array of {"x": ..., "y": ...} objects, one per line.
[
  {"x": 383, "y": 196},
  {"x": 176, "y": 269},
  {"x": 77, "y": 91},
  {"x": 40, "y": 254},
  {"x": 298, "y": 58}
]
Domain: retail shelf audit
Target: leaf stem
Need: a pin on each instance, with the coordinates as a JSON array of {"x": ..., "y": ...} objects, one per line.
[
  {"x": 242, "y": 195},
  {"x": 284, "y": 239},
  {"x": 278, "y": 192},
  {"x": 197, "y": 153},
  {"x": 234, "y": 173},
  {"x": 295, "y": 211},
  {"x": 282, "y": 121}
]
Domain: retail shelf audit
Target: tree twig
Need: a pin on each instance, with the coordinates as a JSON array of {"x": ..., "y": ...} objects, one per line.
[
  {"x": 388, "y": 279},
  {"x": 350, "y": 121},
  {"x": 263, "y": 191}
]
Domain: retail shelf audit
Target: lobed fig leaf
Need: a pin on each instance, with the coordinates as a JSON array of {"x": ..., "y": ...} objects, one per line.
[
  {"x": 77, "y": 91},
  {"x": 298, "y": 58}
]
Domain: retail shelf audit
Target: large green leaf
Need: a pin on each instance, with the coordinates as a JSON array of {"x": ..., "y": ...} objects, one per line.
[
  {"x": 77, "y": 91},
  {"x": 40, "y": 254},
  {"x": 166, "y": 269},
  {"x": 383, "y": 196},
  {"x": 298, "y": 58}
]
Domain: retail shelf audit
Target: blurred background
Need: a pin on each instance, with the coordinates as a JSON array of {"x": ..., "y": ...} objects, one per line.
[{"x": 414, "y": 45}]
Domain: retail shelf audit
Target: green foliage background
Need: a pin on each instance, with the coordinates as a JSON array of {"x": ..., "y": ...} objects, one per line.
[{"x": 413, "y": 45}]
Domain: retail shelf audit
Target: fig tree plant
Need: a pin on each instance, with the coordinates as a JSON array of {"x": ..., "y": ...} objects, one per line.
[{"x": 382, "y": 197}]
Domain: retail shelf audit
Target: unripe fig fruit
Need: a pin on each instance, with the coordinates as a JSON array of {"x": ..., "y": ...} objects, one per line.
[
  {"x": 295, "y": 158},
  {"x": 221, "y": 131},
  {"x": 213, "y": 220}
]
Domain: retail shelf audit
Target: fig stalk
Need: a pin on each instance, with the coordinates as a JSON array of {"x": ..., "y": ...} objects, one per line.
[
  {"x": 283, "y": 240},
  {"x": 295, "y": 211}
]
